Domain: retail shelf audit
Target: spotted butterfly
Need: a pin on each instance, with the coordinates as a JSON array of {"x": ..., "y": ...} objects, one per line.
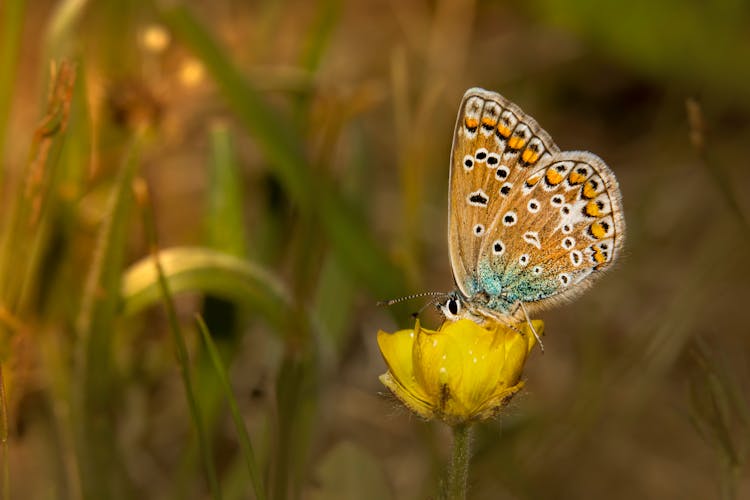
[{"x": 529, "y": 225}]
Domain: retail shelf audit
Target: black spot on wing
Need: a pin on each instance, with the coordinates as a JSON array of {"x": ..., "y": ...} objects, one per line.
[{"x": 479, "y": 199}]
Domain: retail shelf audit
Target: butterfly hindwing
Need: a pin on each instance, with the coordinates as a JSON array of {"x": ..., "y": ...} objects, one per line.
[{"x": 570, "y": 229}]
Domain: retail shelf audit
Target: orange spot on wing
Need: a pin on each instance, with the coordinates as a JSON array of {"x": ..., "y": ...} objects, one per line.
[
  {"x": 503, "y": 130},
  {"x": 471, "y": 123},
  {"x": 589, "y": 191},
  {"x": 489, "y": 121},
  {"x": 592, "y": 209},
  {"x": 516, "y": 142},
  {"x": 529, "y": 156},
  {"x": 553, "y": 177},
  {"x": 576, "y": 178},
  {"x": 531, "y": 181},
  {"x": 599, "y": 256},
  {"x": 598, "y": 230}
]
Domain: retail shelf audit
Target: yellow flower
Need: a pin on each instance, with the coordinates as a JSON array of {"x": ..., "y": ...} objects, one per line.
[{"x": 459, "y": 373}]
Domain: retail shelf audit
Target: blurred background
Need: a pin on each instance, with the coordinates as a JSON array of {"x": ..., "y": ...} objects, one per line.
[{"x": 287, "y": 162}]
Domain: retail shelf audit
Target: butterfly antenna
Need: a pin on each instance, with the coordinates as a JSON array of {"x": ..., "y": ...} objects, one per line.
[
  {"x": 409, "y": 297},
  {"x": 416, "y": 315}
]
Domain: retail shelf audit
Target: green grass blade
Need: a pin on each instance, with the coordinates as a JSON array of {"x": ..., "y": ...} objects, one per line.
[
  {"x": 95, "y": 325},
  {"x": 244, "y": 436},
  {"x": 11, "y": 26},
  {"x": 344, "y": 226},
  {"x": 266, "y": 125},
  {"x": 26, "y": 243},
  {"x": 62, "y": 29},
  {"x": 327, "y": 15},
  {"x": 297, "y": 393},
  {"x": 316, "y": 42},
  {"x": 224, "y": 231},
  {"x": 183, "y": 359},
  {"x": 225, "y": 227},
  {"x": 207, "y": 271},
  {"x": 24, "y": 230}
]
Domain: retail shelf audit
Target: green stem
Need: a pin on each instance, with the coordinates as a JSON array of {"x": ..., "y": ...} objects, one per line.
[{"x": 458, "y": 469}]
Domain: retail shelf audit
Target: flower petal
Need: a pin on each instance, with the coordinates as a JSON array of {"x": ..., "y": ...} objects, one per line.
[
  {"x": 396, "y": 349},
  {"x": 482, "y": 358}
]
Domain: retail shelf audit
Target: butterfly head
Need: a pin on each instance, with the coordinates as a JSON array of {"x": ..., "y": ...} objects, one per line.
[
  {"x": 451, "y": 307},
  {"x": 456, "y": 306}
]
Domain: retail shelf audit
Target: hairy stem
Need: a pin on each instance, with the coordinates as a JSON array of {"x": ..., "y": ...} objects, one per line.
[{"x": 458, "y": 469}]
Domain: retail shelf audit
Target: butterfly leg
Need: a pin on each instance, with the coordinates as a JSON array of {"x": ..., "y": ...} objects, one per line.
[
  {"x": 531, "y": 325},
  {"x": 510, "y": 324}
]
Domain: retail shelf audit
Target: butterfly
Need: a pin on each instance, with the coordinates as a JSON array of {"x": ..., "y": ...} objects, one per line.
[{"x": 529, "y": 225}]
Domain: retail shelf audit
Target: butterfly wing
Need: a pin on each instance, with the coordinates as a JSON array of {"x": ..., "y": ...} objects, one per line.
[
  {"x": 527, "y": 222},
  {"x": 561, "y": 228},
  {"x": 495, "y": 146}
]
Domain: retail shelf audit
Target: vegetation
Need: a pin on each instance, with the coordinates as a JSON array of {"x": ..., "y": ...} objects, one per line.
[{"x": 204, "y": 201}]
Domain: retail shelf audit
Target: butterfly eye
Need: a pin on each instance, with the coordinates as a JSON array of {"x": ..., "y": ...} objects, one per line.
[{"x": 453, "y": 306}]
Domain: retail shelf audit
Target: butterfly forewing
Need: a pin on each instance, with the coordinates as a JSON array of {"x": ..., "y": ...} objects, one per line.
[
  {"x": 528, "y": 223},
  {"x": 495, "y": 145}
]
